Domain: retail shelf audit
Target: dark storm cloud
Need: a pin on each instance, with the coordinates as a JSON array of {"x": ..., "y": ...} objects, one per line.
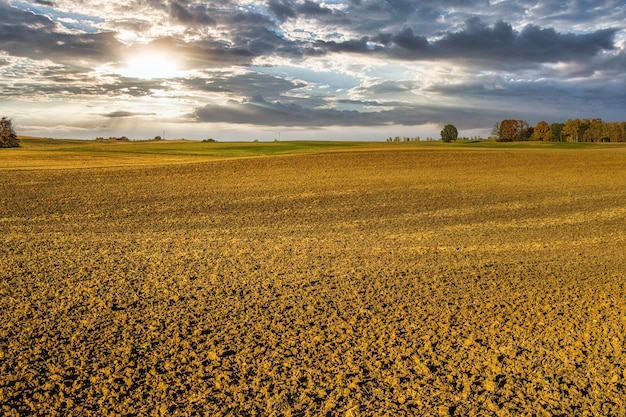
[
  {"x": 248, "y": 35},
  {"x": 258, "y": 111},
  {"x": 186, "y": 13},
  {"x": 532, "y": 44},
  {"x": 285, "y": 9},
  {"x": 401, "y": 29},
  {"x": 26, "y": 34},
  {"x": 253, "y": 34},
  {"x": 310, "y": 8},
  {"x": 246, "y": 85},
  {"x": 282, "y": 9},
  {"x": 479, "y": 42}
]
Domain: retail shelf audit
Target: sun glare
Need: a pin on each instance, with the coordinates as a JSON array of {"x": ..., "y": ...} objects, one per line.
[{"x": 150, "y": 66}]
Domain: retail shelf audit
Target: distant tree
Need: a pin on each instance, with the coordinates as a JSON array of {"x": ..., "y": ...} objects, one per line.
[
  {"x": 555, "y": 132},
  {"x": 495, "y": 131},
  {"x": 507, "y": 131},
  {"x": 8, "y": 138},
  {"x": 511, "y": 130},
  {"x": 449, "y": 133},
  {"x": 614, "y": 132},
  {"x": 597, "y": 131},
  {"x": 583, "y": 127},
  {"x": 524, "y": 131},
  {"x": 574, "y": 130},
  {"x": 542, "y": 131},
  {"x": 571, "y": 130}
]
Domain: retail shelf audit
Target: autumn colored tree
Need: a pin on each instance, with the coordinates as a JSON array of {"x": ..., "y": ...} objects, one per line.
[
  {"x": 570, "y": 131},
  {"x": 449, "y": 133},
  {"x": 597, "y": 131},
  {"x": 542, "y": 131},
  {"x": 8, "y": 138},
  {"x": 583, "y": 127},
  {"x": 574, "y": 130},
  {"x": 508, "y": 130},
  {"x": 615, "y": 132},
  {"x": 511, "y": 130}
]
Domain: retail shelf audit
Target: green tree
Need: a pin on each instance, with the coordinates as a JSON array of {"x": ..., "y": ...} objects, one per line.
[
  {"x": 524, "y": 131},
  {"x": 8, "y": 138},
  {"x": 555, "y": 131},
  {"x": 449, "y": 133}
]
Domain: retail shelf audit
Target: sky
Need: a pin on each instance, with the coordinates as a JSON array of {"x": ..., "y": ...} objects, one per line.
[{"x": 306, "y": 69}]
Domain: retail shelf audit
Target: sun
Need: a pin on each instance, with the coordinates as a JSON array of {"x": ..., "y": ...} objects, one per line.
[{"x": 151, "y": 66}]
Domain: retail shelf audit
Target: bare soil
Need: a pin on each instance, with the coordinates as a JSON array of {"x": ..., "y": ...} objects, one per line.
[{"x": 442, "y": 282}]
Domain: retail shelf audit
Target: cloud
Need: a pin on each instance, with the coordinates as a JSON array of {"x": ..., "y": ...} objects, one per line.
[
  {"x": 532, "y": 44},
  {"x": 260, "y": 112},
  {"x": 248, "y": 84},
  {"x": 247, "y": 35},
  {"x": 498, "y": 45},
  {"x": 26, "y": 34},
  {"x": 194, "y": 14},
  {"x": 285, "y": 9},
  {"x": 123, "y": 114}
]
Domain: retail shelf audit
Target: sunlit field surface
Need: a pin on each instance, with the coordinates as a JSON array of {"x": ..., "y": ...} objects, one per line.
[{"x": 363, "y": 280}]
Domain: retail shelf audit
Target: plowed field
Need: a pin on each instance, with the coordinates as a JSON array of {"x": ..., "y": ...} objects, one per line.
[{"x": 443, "y": 282}]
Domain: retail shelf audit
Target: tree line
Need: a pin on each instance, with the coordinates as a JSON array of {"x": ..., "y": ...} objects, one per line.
[{"x": 574, "y": 130}]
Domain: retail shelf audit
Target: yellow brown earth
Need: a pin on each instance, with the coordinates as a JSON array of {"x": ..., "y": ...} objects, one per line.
[{"x": 425, "y": 281}]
